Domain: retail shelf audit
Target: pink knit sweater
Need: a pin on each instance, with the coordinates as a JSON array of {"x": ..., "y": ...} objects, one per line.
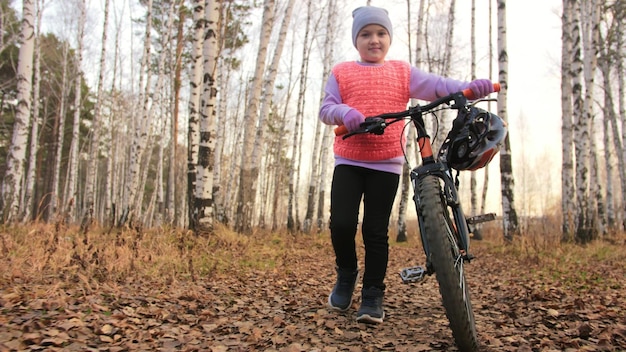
[
  {"x": 423, "y": 85},
  {"x": 373, "y": 90}
]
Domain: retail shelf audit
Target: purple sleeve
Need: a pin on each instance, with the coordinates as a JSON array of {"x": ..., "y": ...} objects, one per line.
[
  {"x": 333, "y": 109},
  {"x": 429, "y": 86}
]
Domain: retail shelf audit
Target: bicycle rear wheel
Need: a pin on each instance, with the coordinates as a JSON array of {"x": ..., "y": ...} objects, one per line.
[{"x": 447, "y": 262}]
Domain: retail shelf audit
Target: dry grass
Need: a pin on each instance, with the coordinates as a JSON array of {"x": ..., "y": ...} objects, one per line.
[
  {"x": 42, "y": 254},
  {"x": 597, "y": 264},
  {"x": 39, "y": 253}
]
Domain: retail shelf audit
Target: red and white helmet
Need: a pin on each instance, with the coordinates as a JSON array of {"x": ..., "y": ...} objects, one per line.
[{"x": 474, "y": 140}]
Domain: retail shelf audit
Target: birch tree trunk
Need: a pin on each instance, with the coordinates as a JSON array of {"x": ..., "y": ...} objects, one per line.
[
  {"x": 621, "y": 13},
  {"x": 141, "y": 128},
  {"x": 327, "y": 132},
  {"x": 473, "y": 182},
  {"x": 29, "y": 190},
  {"x": 321, "y": 134},
  {"x": 483, "y": 200},
  {"x": 405, "y": 188},
  {"x": 474, "y": 207},
  {"x": 208, "y": 114},
  {"x": 193, "y": 135},
  {"x": 114, "y": 118},
  {"x": 446, "y": 117},
  {"x": 249, "y": 169},
  {"x": 72, "y": 179},
  {"x": 509, "y": 214},
  {"x": 582, "y": 125},
  {"x": 596, "y": 212},
  {"x": 16, "y": 158},
  {"x": 268, "y": 98},
  {"x": 405, "y": 176},
  {"x": 170, "y": 197},
  {"x": 610, "y": 134},
  {"x": 568, "y": 200},
  {"x": 94, "y": 154},
  {"x": 157, "y": 111},
  {"x": 279, "y": 210},
  {"x": 611, "y": 126},
  {"x": 55, "y": 197},
  {"x": 293, "y": 218}
]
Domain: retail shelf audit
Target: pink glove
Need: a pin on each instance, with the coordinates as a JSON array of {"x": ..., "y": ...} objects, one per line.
[
  {"x": 353, "y": 119},
  {"x": 481, "y": 87}
]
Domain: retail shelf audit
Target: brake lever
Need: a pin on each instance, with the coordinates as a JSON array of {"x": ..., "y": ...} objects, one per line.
[
  {"x": 374, "y": 125},
  {"x": 483, "y": 100}
]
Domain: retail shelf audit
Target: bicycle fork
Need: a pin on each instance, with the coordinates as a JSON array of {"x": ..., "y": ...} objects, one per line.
[{"x": 449, "y": 196}]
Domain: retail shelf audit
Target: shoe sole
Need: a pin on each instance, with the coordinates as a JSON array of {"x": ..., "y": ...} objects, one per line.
[
  {"x": 330, "y": 304},
  {"x": 368, "y": 319}
]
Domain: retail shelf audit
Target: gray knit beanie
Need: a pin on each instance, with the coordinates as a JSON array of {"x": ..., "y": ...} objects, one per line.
[{"x": 366, "y": 15}]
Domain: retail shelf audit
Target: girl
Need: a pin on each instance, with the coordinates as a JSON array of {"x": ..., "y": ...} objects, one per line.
[{"x": 368, "y": 166}]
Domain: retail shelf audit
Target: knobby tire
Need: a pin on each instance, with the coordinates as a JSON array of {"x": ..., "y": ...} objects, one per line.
[{"x": 439, "y": 232}]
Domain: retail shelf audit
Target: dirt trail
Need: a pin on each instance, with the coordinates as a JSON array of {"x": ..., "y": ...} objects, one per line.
[{"x": 283, "y": 309}]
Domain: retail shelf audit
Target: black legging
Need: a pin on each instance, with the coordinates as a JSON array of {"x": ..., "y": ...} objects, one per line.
[{"x": 378, "y": 189}]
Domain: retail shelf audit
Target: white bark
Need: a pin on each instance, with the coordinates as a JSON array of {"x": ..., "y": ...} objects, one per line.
[
  {"x": 36, "y": 122},
  {"x": 247, "y": 186},
  {"x": 72, "y": 179},
  {"x": 622, "y": 112},
  {"x": 208, "y": 114},
  {"x": 583, "y": 88},
  {"x": 567, "y": 138},
  {"x": 509, "y": 214},
  {"x": 16, "y": 158},
  {"x": 473, "y": 181},
  {"x": 597, "y": 211},
  {"x": 611, "y": 135},
  {"x": 55, "y": 196},
  {"x": 327, "y": 133},
  {"x": 140, "y": 132},
  {"x": 193, "y": 134},
  {"x": 94, "y": 155}
]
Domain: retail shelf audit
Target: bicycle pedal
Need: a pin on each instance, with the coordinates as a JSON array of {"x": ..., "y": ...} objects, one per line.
[
  {"x": 413, "y": 274},
  {"x": 481, "y": 218}
]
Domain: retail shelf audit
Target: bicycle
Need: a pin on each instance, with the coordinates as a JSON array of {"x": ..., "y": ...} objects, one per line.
[{"x": 444, "y": 229}]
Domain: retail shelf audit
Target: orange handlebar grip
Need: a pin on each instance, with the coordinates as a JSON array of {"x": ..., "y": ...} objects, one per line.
[
  {"x": 470, "y": 95},
  {"x": 341, "y": 130}
]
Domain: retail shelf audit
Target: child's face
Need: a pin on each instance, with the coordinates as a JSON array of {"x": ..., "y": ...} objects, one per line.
[{"x": 372, "y": 43}]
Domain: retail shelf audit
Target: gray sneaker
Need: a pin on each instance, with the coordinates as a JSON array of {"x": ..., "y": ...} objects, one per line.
[
  {"x": 340, "y": 297},
  {"x": 371, "y": 311}
]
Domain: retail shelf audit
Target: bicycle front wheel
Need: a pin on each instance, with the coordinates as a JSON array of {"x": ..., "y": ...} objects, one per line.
[{"x": 447, "y": 262}]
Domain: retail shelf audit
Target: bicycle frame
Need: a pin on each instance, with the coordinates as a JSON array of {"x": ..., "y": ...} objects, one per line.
[{"x": 430, "y": 166}]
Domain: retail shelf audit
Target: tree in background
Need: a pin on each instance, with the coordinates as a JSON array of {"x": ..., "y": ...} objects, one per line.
[
  {"x": 246, "y": 199},
  {"x": 208, "y": 113},
  {"x": 70, "y": 193},
  {"x": 567, "y": 136},
  {"x": 94, "y": 146},
  {"x": 509, "y": 213},
  {"x": 590, "y": 40},
  {"x": 193, "y": 134},
  {"x": 11, "y": 193},
  {"x": 29, "y": 185}
]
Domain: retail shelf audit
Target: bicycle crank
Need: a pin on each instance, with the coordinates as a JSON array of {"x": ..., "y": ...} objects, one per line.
[{"x": 413, "y": 274}]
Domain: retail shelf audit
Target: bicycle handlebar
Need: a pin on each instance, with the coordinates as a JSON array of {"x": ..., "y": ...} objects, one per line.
[{"x": 468, "y": 93}]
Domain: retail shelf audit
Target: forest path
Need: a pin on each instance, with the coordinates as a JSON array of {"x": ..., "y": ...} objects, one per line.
[{"x": 521, "y": 303}]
